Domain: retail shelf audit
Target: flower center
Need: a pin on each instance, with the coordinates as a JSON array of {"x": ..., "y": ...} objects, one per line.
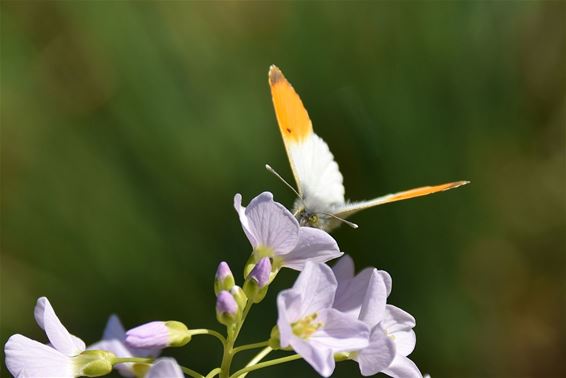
[
  {"x": 305, "y": 327},
  {"x": 263, "y": 251}
]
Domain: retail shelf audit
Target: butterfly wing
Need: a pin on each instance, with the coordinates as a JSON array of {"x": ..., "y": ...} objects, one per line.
[
  {"x": 318, "y": 178},
  {"x": 354, "y": 207}
]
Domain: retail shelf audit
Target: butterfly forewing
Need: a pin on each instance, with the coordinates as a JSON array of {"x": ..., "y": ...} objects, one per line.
[{"x": 318, "y": 178}]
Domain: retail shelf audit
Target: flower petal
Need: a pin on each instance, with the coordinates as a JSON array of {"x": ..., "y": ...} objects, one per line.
[
  {"x": 319, "y": 357},
  {"x": 374, "y": 299},
  {"x": 271, "y": 224},
  {"x": 313, "y": 245},
  {"x": 317, "y": 285},
  {"x": 350, "y": 293},
  {"x": 387, "y": 279},
  {"x": 340, "y": 332},
  {"x": 378, "y": 355},
  {"x": 395, "y": 320},
  {"x": 288, "y": 307},
  {"x": 165, "y": 368},
  {"x": 402, "y": 367},
  {"x": 405, "y": 342},
  {"x": 344, "y": 269},
  {"x": 58, "y": 335},
  {"x": 244, "y": 220},
  {"x": 29, "y": 358}
]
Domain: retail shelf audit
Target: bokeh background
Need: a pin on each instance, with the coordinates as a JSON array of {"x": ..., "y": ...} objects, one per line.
[{"x": 127, "y": 128}]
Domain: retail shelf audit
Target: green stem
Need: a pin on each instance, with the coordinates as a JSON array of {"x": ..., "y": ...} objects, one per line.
[
  {"x": 262, "y": 365},
  {"x": 211, "y": 332},
  {"x": 213, "y": 373},
  {"x": 191, "y": 372},
  {"x": 229, "y": 345},
  {"x": 258, "y": 358},
  {"x": 250, "y": 346}
]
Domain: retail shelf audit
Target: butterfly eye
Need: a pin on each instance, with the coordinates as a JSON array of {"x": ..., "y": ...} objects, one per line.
[{"x": 313, "y": 219}]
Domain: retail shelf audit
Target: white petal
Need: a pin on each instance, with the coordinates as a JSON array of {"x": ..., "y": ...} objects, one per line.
[
  {"x": 319, "y": 357},
  {"x": 288, "y": 307},
  {"x": 271, "y": 224},
  {"x": 351, "y": 293},
  {"x": 316, "y": 285},
  {"x": 344, "y": 269},
  {"x": 374, "y": 299},
  {"x": 29, "y": 358},
  {"x": 395, "y": 320},
  {"x": 314, "y": 245},
  {"x": 404, "y": 341},
  {"x": 58, "y": 335},
  {"x": 340, "y": 332},
  {"x": 378, "y": 355},
  {"x": 387, "y": 279},
  {"x": 402, "y": 367},
  {"x": 165, "y": 368},
  {"x": 244, "y": 220}
]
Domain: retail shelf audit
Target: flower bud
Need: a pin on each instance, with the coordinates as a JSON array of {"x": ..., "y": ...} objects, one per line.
[
  {"x": 224, "y": 280},
  {"x": 93, "y": 363},
  {"x": 158, "y": 335},
  {"x": 226, "y": 308},
  {"x": 255, "y": 286},
  {"x": 239, "y": 296},
  {"x": 260, "y": 273},
  {"x": 275, "y": 339}
]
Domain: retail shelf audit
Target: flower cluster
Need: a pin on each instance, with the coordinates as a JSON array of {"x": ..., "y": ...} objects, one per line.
[{"x": 331, "y": 314}]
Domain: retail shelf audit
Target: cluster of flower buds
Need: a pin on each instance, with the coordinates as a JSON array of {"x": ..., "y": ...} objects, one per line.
[{"x": 330, "y": 314}]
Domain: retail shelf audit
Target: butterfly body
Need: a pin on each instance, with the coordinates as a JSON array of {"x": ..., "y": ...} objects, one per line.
[{"x": 321, "y": 193}]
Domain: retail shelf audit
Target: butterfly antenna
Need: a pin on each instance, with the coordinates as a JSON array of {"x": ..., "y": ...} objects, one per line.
[
  {"x": 268, "y": 167},
  {"x": 351, "y": 224}
]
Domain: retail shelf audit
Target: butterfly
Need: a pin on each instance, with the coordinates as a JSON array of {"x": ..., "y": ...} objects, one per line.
[{"x": 320, "y": 193}]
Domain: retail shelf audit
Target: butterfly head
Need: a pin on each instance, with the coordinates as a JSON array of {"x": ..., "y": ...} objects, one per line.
[{"x": 316, "y": 219}]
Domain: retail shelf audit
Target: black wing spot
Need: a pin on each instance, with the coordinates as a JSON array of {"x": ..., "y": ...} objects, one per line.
[{"x": 289, "y": 130}]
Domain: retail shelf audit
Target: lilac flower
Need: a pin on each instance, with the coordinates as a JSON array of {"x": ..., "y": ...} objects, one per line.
[
  {"x": 275, "y": 233},
  {"x": 114, "y": 340},
  {"x": 310, "y": 326},
  {"x": 62, "y": 358},
  {"x": 165, "y": 368},
  {"x": 398, "y": 325},
  {"x": 363, "y": 297}
]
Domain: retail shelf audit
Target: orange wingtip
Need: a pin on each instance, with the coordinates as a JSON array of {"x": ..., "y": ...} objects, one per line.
[
  {"x": 292, "y": 117},
  {"x": 425, "y": 190}
]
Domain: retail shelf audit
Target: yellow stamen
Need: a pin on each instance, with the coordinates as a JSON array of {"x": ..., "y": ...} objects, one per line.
[{"x": 305, "y": 327}]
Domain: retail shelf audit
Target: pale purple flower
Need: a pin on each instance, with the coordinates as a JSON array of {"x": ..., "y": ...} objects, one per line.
[
  {"x": 165, "y": 367},
  {"x": 398, "y": 325},
  {"x": 363, "y": 296},
  {"x": 114, "y": 340},
  {"x": 308, "y": 323},
  {"x": 261, "y": 271},
  {"x": 28, "y": 358},
  {"x": 153, "y": 335},
  {"x": 275, "y": 233}
]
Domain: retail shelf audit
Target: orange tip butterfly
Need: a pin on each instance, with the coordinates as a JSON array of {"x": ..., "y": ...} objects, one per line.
[{"x": 320, "y": 201}]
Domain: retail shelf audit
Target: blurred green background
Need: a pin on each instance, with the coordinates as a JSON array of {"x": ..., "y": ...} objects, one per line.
[{"x": 127, "y": 128}]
